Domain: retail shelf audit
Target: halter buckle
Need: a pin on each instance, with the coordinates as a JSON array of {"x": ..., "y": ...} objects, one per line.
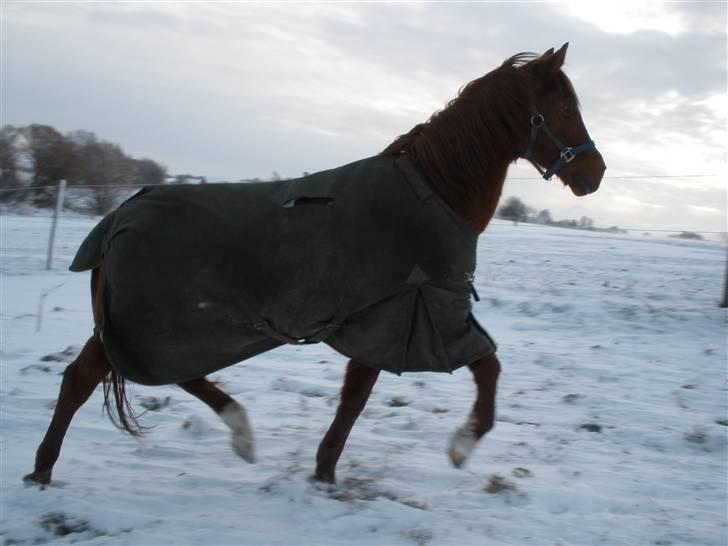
[
  {"x": 537, "y": 120},
  {"x": 568, "y": 155}
]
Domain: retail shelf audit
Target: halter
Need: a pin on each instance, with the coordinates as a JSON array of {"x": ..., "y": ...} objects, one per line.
[{"x": 567, "y": 153}]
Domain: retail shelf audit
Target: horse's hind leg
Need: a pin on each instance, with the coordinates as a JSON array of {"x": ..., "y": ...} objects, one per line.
[
  {"x": 231, "y": 412},
  {"x": 80, "y": 378},
  {"x": 358, "y": 384},
  {"x": 485, "y": 372}
]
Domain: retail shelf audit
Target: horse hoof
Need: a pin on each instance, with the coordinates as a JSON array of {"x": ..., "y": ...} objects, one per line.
[
  {"x": 457, "y": 458},
  {"x": 462, "y": 444},
  {"x": 323, "y": 477},
  {"x": 38, "y": 478},
  {"x": 244, "y": 447},
  {"x": 235, "y": 417}
]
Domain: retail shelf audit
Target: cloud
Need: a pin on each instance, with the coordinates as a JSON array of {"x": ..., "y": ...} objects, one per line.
[
  {"x": 624, "y": 17},
  {"x": 235, "y": 90}
]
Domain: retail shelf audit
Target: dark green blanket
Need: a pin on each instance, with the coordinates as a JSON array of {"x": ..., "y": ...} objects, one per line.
[{"x": 364, "y": 257}]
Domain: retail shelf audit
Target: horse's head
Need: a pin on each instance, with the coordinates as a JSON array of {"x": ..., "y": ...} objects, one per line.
[{"x": 559, "y": 143}]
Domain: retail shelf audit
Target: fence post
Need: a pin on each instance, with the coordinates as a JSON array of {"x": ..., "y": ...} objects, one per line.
[{"x": 56, "y": 214}]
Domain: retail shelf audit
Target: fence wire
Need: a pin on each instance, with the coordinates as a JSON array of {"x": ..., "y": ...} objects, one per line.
[
  {"x": 520, "y": 223},
  {"x": 132, "y": 186}
]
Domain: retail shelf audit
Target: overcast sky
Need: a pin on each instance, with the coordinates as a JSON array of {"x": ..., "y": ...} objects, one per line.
[{"x": 237, "y": 90}]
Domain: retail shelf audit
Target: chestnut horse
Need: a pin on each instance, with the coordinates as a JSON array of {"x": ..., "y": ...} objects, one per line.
[{"x": 526, "y": 108}]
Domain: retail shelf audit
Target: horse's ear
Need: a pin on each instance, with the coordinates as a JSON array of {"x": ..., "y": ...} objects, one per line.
[
  {"x": 560, "y": 56},
  {"x": 549, "y": 64}
]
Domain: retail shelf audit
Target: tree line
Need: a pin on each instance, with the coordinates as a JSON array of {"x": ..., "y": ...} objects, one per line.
[
  {"x": 517, "y": 211},
  {"x": 36, "y": 157}
]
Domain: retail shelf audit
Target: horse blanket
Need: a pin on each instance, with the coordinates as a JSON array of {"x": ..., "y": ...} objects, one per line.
[{"x": 365, "y": 257}]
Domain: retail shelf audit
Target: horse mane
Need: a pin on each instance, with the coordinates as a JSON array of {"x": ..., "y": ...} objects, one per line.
[{"x": 465, "y": 148}]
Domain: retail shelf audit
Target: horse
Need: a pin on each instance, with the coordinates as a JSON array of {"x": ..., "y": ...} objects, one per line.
[{"x": 454, "y": 164}]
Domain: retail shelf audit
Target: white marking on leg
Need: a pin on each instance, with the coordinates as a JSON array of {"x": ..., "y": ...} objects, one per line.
[
  {"x": 235, "y": 417},
  {"x": 463, "y": 442}
]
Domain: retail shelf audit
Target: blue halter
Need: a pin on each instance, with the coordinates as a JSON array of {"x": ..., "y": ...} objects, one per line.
[{"x": 567, "y": 153}]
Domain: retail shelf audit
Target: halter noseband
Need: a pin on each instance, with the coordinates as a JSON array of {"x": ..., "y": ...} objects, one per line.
[{"x": 567, "y": 153}]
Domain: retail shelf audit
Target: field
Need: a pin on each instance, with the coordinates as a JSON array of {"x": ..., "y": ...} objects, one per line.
[{"x": 612, "y": 421}]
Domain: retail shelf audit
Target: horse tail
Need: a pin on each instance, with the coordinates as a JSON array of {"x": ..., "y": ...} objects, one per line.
[{"x": 122, "y": 415}]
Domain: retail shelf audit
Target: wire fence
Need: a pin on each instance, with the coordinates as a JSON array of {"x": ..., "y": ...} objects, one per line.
[
  {"x": 521, "y": 224},
  {"x": 80, "y": 186},
  {"x": 613, "y": 177}
]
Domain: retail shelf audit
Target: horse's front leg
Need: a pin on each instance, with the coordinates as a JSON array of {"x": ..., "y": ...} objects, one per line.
[
  {"x": 481, "y": 418},
  {"x": 358, "y": 384}
]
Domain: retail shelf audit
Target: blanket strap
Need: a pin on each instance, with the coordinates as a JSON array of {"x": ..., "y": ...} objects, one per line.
[
  {"x": 265, "y": 327},
  {"x": 324, "y": 332},
  {"x": 421, "y": 188}
]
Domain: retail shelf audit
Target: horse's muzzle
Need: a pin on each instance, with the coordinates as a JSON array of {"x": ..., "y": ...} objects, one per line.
[{"x": 587, "y": 180}]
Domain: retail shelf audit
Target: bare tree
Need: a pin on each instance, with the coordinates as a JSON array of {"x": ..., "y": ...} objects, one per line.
[
  {"x": 586, "y": 223},
  {"x": 8, "y": 161},
  {"x": 52, "y": 157},
  {"x": 105, "y": 169},
  {"x": 513, "y": 209},
  {"x": 543, "y": 217},
  {"x": 43, "y": 156},
  {"x": 150, "y": 172}
]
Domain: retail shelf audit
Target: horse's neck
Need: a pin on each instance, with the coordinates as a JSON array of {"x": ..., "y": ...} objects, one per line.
[
  {"x": 465, "y": 149},
  {"x": 474, "y": 196},
  {"x": 478, "y": 205},
  {"x": 466, "y": 152}
]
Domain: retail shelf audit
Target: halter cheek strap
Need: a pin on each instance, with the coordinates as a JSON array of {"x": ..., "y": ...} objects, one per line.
[{"x": 567, "y": 154}]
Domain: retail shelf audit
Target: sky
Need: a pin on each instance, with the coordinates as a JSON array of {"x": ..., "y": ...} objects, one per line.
[{"x": 233, "y": 90}]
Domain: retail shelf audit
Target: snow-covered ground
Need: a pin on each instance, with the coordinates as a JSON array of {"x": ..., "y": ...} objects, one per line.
[{"x": 611, "y": 426}]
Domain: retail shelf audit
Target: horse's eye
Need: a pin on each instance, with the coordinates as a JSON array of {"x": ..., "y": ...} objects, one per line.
[{"x": 568, "y": 108}]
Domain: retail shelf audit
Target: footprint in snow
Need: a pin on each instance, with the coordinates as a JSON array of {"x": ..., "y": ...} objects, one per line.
[
  {"x": 195, "y": 426},
  {"x": 152, "y": 403},
  {"x": 66, "y": 355}
]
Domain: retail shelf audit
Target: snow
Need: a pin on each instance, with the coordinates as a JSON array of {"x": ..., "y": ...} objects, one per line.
[{"x": 611, "y": 425}]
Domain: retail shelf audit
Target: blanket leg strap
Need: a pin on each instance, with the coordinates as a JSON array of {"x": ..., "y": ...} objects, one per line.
[{"x": 265, "y": 327}]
